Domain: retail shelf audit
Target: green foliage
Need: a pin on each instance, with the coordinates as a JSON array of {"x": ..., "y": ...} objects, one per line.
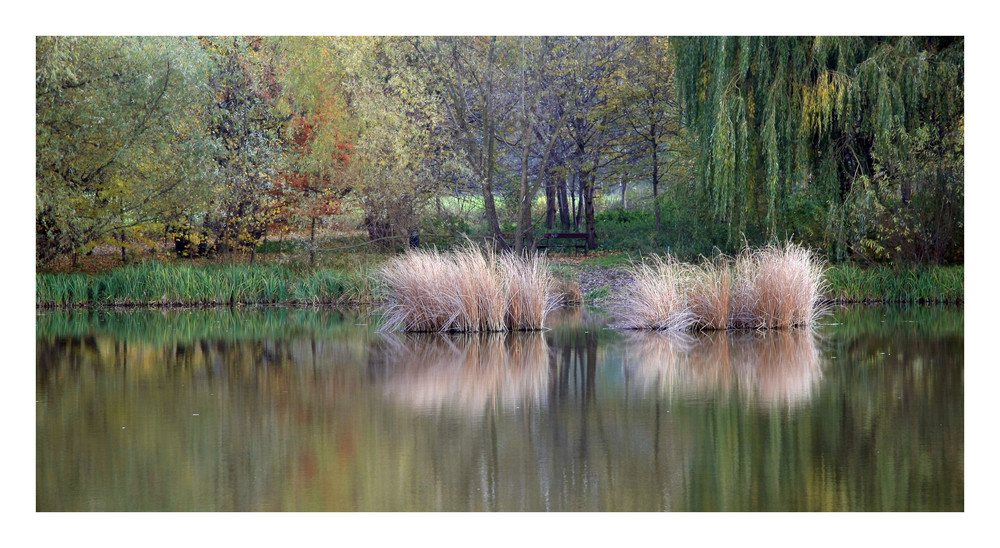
[
  {"x": 786, "y": 116},
  {"x": 627, "y": 230},
  {"x": 120, "y": 137},
  {"x": 686, "y": 231},
  {"x": 280, "y": 246},
  {"x": 915, "y": 216},
  {"x": 250, "y": 131}
]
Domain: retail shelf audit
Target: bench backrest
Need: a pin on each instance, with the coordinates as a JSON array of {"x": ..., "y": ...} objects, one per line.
[{"x": 566, "y": 235}]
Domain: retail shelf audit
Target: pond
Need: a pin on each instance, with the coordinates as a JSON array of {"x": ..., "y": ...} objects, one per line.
[{"x": 278, "y": 409}]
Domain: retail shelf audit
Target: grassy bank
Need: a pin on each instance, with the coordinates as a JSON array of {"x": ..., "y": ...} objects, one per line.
[
  {"x": 158, "y": 284},
  {"x": 925, "y": 284}
]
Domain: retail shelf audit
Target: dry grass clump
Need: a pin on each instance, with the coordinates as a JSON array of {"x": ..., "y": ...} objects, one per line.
[
  {"x": 657, "y": 299},
  {"x": 469, "y": 290},
  {"x": 528, "y": 291},
  {"x": 765, "y": 288},
  {"x": 710, "y": 294},
  {"x": 777, "y": 287}
]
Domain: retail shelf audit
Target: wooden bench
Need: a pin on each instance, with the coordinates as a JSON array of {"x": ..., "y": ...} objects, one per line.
[{"x": 575, "y": 240}]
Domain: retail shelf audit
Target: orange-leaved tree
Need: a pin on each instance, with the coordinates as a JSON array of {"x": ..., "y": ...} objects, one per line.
[{"x": 314, "y": 188}]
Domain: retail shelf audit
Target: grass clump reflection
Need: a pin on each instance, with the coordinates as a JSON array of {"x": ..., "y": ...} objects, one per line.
[
  {"x": 470, "y": 373},
  {"x": 763, "y": 367}
]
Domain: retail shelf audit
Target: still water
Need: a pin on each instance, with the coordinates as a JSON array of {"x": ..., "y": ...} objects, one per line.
[{"x": 288, "y": 409}]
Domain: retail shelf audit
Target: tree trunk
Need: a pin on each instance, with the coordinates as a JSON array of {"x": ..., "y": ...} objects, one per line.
[
  {"x": 563, "y": 199},
  {"x": 581, "y": 184},
  {"x": 656, "y": 181},
  {"x": 550, "y": 203},
  {"x": 312, "y": 243},
  {"x": 489, "y": 206},
  {"x": 623, "y": 183},
  {"x": 121, "y": 236},
  {"x": 574, "y": 216},
  {"x": 490, "y": 209},
  {"x": 524, "y": 201},
  {"x": 588, "y": 199}
]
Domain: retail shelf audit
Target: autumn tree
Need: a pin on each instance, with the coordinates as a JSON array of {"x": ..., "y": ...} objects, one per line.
[
  {"x": 301, "y": 194},
  {"x": 121, "y": 143},
  {"x": 318, "y": 172},
  {"x": 249, "y": 128}
]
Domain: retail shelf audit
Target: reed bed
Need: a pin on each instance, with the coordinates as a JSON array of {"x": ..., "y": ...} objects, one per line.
[
  {"x": 927, "y": 284},
  {"x": 157, "y": 284},
  {"x": 466, "y": 290},
  {"x": 767, "y": 288}
]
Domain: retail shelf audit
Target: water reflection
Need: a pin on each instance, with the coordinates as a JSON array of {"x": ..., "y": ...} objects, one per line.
[
  {"x": 767, "y": 368},
  {"x": 474, "y": 373},
  {"x": 468, "y": 373},
  {"x": 279, "y": 409}
]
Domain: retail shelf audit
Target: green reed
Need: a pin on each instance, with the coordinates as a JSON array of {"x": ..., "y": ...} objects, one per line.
[
  {"x": 157, "y": 284},
  {"x": 935, "y": 284}
]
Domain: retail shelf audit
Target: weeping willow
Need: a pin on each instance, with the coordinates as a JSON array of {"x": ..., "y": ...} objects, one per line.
[{"x": 779, "y": 118}]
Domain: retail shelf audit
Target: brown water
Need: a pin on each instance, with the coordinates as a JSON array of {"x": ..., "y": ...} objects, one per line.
[{"x": 279, "y": 409}]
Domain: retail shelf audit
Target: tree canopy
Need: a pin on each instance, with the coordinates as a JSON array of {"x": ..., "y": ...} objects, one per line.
[
  {"x": 783, "y": 119},
  {"x": 851, "y": 145}
]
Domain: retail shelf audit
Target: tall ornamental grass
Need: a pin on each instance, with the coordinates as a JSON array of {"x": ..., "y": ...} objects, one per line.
[
  {"x": 657, "y": 299},
  {"x": 776, "y": 287},
  {"x": 467, "y": 290},
  {"x": 767, "y": 288}
]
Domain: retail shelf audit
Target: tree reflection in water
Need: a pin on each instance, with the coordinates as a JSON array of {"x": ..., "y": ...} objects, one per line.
[{"x": 279, "y": 409}]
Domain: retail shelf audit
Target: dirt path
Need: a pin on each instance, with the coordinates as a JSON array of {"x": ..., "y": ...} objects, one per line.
[{"x": 593, "y": 278}]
